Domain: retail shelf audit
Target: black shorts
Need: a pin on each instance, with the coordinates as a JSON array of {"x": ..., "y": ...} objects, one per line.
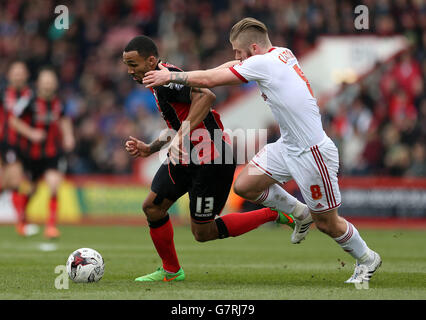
[
  {"x": 208, "y": 187},
  {"x": 36, "y": 168},
  {"x": 9, "y": 154}
]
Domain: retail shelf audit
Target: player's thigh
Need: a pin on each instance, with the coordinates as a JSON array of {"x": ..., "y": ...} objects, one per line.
[
  {"x": 12, "y": 171},
  {"x": 315, "y": 172},
  {"x": 252, "y": 181},
  {"x": 13, "y": 174},
  {"x": 168, "y": 185},
  {"x": 211, "y": 184}
]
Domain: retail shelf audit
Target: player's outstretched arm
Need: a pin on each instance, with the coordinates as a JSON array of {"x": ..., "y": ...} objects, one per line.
[
  {"x": 228, "y": 64},
  {"x": 200, "y": 78}
]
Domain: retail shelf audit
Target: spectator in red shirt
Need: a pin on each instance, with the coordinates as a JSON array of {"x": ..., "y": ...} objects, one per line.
[
  {"x": 401, "y": 108},
  {"x": 407, "y": 72}
]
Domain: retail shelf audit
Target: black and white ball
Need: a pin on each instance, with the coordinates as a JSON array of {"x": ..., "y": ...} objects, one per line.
[{"x": 85, "y": 265}]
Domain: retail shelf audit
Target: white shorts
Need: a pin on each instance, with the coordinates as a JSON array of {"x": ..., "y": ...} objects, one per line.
[{"x": 315, "y": 171}]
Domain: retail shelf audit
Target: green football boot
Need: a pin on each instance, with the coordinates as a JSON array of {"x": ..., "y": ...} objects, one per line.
[
  {"x": 300, "y": 226},
  {"x": 162, "y": 275},
  {"x": 285, "y": 218}
]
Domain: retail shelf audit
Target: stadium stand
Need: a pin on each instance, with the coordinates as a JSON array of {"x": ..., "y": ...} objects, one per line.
[{"x": 380, "y": 127}]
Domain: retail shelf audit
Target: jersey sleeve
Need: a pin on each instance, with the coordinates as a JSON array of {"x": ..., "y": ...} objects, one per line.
[{"x": 254, "y": 68}]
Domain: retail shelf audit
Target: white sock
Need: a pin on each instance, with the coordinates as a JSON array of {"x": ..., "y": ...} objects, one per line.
[
  {"x": 353, "y": 244},
  {"x": 277, "y": 198}
]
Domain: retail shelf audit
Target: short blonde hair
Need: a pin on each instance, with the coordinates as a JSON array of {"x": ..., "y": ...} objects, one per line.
[{"x": 250, "y": 30}]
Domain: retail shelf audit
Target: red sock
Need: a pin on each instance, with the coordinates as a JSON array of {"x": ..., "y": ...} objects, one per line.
[
  {"x": 53, "y": 208},
  {"x": 162, "y": 237},
  {"x": 19, "y": 201},
  {"x": 241, "y": 222}
]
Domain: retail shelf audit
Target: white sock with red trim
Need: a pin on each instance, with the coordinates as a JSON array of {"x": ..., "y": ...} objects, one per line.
[
  {"x": 276, "y": 197},
  {"x": 353, "y": 244}
]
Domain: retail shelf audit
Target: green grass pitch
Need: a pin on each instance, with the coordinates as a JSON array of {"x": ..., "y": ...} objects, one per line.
[{"x": 261, "y": 265}]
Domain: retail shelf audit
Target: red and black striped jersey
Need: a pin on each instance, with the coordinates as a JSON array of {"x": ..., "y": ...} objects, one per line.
[
  {"x": 46, "y": 115},
  {"x": 174, "y": 101},
  {"x": 12, "y": 102}
]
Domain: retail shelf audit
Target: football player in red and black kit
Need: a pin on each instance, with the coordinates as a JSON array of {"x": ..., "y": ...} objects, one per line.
[
  {"x": 13, "y": 99},
  {"x": 43, "y": 157},
  {"x": 208, "y": 183}
]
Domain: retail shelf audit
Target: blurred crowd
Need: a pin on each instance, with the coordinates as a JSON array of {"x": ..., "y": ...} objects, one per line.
[{"x": 381, "y": 123}]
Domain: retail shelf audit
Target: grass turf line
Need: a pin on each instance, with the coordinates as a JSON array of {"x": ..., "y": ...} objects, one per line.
[{"x": 262, "y": 264}]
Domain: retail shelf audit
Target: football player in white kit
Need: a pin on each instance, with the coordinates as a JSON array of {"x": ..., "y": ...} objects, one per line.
[{"x": 303, "y": 152}]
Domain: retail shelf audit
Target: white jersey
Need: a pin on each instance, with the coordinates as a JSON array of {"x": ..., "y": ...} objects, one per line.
[{"x": 287, "y": 92}]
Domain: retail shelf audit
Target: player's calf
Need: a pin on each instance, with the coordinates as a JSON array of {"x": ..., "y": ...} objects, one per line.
[
  {"x": 329, "y": 223},
  {"x": 204, "y": 232}
]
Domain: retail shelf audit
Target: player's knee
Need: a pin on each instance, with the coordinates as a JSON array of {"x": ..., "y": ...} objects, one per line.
[
  {"x": 247, "y": 189},
  {"x": 327, "y": 222},
  {"x": 146, "y": 207},
  {"x": 53, "y": 179},
  {"x": 13, "y": 176},
  {"x": 241, "y": 189},
  {"x": 246, "y": 192},
  {"x": 152, "y": 211},
  {"x": 15, "y": 170}
]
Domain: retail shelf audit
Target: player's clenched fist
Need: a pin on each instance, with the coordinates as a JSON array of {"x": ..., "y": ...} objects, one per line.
[{"x": 137, "y": 148}]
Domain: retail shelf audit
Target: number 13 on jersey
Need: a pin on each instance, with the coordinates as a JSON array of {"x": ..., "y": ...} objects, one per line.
[{"x": 205, "y": 206}]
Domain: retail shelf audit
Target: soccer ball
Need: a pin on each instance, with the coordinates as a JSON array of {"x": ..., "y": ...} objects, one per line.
[{"x": 85, "y": 265}]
